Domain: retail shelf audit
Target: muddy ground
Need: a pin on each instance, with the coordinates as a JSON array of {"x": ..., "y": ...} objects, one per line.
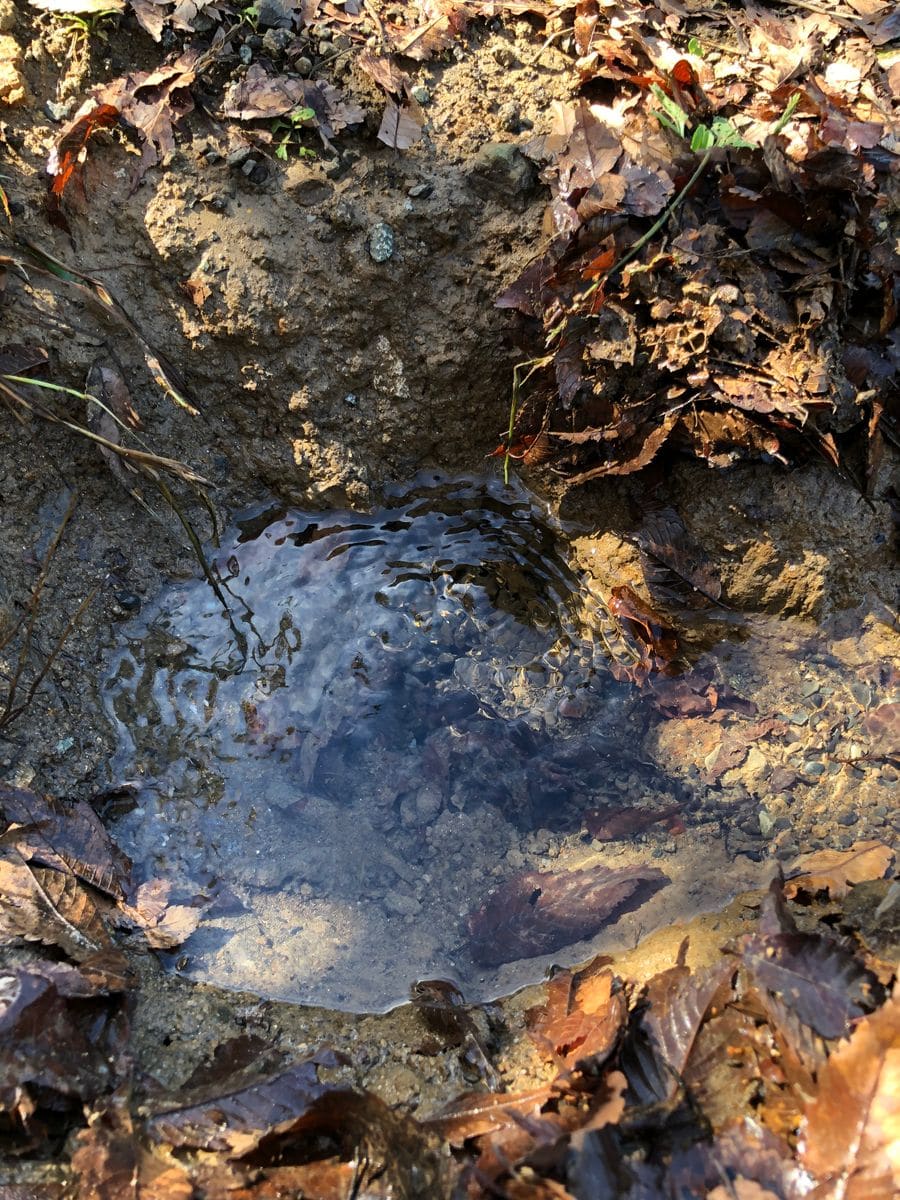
[{"x": 320, "y": 375}]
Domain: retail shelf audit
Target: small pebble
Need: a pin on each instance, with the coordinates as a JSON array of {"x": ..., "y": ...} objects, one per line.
[
  {"x": 848, "y": 818},
  {"x": 421, "y": 95},
  {"x": 58, "y": 112},
  {"x": 509, "y": 117},
  {"x": 766, "y": 823},
  {"x": 128, "y": 601},
  {"x": 381, "y": 242},
  {"x": 812, "y": 767},
  {"x": 505, "y": 56},
  {"x": 420, "y": 191}
]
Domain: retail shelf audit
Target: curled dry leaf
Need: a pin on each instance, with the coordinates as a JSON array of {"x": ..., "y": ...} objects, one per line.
[
  {"x": 583, "y": 1017},
  {"x": 153, "y": 102}
]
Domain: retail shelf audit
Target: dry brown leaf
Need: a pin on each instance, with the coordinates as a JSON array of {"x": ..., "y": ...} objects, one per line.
[
  {"x": 163, "y": 924},
  {"x": 850, "y": 1139},
  {"x": 401, "y": 127},
  {"x": 834, "y": 871}
]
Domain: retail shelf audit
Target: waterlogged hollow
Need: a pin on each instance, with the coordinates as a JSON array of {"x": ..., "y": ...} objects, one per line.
[{"x": 408, "y": 710}]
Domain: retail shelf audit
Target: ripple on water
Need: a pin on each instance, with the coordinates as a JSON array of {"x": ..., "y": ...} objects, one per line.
[{"x": 382, "y": 732}]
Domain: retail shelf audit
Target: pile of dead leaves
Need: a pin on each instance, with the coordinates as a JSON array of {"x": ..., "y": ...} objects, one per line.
[
  {"x": 770, "y": 1074},
  {"x": 269, "y": 102},
  {"x": 722, "y": 275}
]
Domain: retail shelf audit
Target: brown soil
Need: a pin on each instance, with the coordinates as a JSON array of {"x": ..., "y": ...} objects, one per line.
[{"x": 320, "y": 375}]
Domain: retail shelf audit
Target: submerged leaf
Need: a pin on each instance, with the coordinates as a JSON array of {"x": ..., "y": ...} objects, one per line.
[{"x": 538, "y": 912}]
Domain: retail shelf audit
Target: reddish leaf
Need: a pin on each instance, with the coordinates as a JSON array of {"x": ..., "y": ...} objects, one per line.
[
  {"x": 583, "y": 1017},
  {"x": 68, "y": 155},
  {"x": 611, "y": 824},
  {"x": 537, "y": 913}
]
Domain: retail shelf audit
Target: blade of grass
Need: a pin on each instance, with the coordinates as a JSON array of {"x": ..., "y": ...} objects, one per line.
[{"x": 145, "y": 458}]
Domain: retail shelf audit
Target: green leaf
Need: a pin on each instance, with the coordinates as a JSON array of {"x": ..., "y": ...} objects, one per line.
[
  {"x": 725, "y": 134},
  {"x": 281, "y": 151},
  {"x": 301, "y": 116},
  {"x": 695, "y": 48},
  {"x": 789, "y": 110},
  {"x": 703, "y": 138},
  {"x": 675, "y": 117}
]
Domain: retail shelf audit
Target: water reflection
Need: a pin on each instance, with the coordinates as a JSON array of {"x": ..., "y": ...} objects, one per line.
[{"x": 385, "y": 730}]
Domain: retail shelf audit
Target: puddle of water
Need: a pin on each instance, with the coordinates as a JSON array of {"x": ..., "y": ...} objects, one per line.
[{"x": 404, "y": 712}]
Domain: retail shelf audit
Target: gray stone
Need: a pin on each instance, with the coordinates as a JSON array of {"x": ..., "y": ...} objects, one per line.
[
  {"x": 276, "y": 41},
  {"x": 500, "y": 171},
  {"x": 405, "y": 906},
  {"x": 421, "y": 95},
  {"x": 274, "y": 14},
  {"x": 58, "y": 112},
  {"x": 510, "y": 117},
  {"x": 381, "y": 242},
  {"x": 421, "y": 191},
  {"x": 429, "y": 803}
]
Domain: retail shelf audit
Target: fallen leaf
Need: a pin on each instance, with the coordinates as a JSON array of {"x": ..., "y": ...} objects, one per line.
[
  {"x": 583, "y": 1017},
  {"x": 818, "y": 980},
  {"x": 66, "y": 836},
  {"x": 478, "y": 1113},
  {"x": 834, "y": 871},
  {"x": 164, "y": 925},
  {"x": 39, "y": 904},
  {"x": 401, "y": 127},
  {"x": 850, "y": 1139},
  {"x": 153, "y": 102},
  {"x": 538, "y": 912},
  {"x": 670, "y": 555},
  {"x": 68, "y": 155}
]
